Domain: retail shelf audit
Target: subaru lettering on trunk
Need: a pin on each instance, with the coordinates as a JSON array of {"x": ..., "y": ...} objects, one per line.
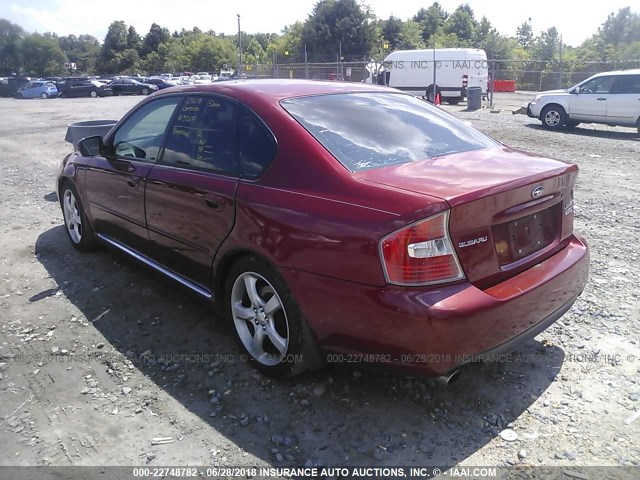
[{"x": 475, "y": 241}]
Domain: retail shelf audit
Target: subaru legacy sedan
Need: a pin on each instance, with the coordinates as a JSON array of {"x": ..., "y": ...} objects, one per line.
[{"x": 336, "y": 219}]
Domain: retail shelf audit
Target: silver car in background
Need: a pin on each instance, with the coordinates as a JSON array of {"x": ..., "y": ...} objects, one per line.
[{"x": 612, "y": 98}]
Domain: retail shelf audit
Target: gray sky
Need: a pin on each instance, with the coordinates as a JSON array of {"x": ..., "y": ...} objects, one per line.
[{"x": 576, "y": 21}]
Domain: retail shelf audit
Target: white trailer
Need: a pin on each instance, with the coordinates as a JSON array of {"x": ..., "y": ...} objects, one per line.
[{"x": 456, "y": 69}]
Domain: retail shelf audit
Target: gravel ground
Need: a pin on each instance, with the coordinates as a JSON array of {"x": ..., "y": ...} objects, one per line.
[{"x": 104, "y": 363}]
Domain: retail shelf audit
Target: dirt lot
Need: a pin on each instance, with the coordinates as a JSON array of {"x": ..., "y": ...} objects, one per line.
[{"x": 99, "y": 357}]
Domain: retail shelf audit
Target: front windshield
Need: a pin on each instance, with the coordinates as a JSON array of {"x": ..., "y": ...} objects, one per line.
[{"x": 369, "y": 130}]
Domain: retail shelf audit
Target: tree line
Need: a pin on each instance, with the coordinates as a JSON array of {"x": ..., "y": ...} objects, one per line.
[{"x": 335, "y": 30}]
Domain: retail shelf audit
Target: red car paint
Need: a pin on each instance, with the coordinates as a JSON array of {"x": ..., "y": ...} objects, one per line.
[{"x": 321, "y": 225}]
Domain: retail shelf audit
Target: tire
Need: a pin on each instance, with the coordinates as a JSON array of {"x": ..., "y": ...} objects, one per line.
[
  {"x": 76, "y": 223},
  {"x": 44, "y": 96},
  {"x": 145, "y": 91},
  {"x": 93, "y": 94},
  {"x": 553, "y": 117},
  {"x": 453, "y": 100},
  {"x": 572, "y": 123},
  {"x": 429, "y": 95},
  {"x": 267, "y": 321}
]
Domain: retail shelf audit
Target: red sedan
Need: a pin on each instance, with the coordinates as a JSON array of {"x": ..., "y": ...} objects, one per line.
[{"x": 334, "y": 221}]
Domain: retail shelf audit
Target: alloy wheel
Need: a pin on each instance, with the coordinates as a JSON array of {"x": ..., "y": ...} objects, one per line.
[
  {"x": 259, "y": 318},
  {"x": 72, "y": 216},
  {"x": 552, "y": 118}
]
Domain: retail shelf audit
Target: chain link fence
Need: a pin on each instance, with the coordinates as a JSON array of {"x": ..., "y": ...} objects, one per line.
[
  {"x": 528, "y": 75},
  {"x": 538, "y": 76},
  {"x": 348, "y": 71}
]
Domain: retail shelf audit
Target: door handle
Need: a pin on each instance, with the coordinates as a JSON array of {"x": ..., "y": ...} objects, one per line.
[
  {"x": 133, "y": 181},
  {"x": 601, "y": 98},
  {"x": 214, "y": 202}
]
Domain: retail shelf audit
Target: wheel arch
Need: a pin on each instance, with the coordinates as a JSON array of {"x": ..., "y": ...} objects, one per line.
[
  {"x": 223, "y": 265},
  {"x": 312, "y": 350},
  {"x": 554, "y": 104}
]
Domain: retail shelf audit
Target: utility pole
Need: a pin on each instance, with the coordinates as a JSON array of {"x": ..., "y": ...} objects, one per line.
[
  {"x": 561, "y": 72},
  {"x": 433, "y": 89},
  {"x": 492, "y": 80},
  {"x": 240, "y": 45},
  {"x": 306, "y": 65}
]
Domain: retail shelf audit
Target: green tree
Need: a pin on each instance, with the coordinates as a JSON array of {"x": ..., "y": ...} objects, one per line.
[
  {"x": 116, "y": 39},
  {"x": 127, "y": 61},
  {"x": 208, "y": 53},
  {"x": 431, "y": 20},
  {"x": 42, "y": 56},
  {"x": 462, "y": 23},
  {"x": 152, "y": 40},
  {"x": 83, "y": 50},
  {"x": 620, "y": 28},
  {"x": 289, "y": 46},
  {"x": 391, "y": 31},
  {"x": 253, "y": 53},
  {"x": 524, "y": 34},
  {"x": 411, "y": 35},
  {"x": 484, "y": 33},
  {"x": 10, "y": 37},
  {"x": 336, "y": 24},
  {"x": 133, "y": 39},
  {"x": 115, "y": 42},
  {"x": 444, "y": 40},
  {"x": 546, "y": 46}
]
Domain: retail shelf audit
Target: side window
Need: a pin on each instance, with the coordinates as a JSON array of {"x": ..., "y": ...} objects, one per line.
[
  {"x": 627, "y": 84},
  {"x": 599, "y": 85},
  {"x": 201, "y": 136},
  {"x": 256, "y": 146},
  {"x": 141, "y": 136}
]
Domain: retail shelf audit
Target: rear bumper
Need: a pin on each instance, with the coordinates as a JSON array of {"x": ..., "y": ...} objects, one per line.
[{"x": 433, "y": 331}]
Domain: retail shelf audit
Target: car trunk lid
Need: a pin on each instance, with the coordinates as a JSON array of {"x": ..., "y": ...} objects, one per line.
[{"x": 509, "y": 209}]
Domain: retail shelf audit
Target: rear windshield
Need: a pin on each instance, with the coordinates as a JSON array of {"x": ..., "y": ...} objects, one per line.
[{"x": 370, "y": 130}]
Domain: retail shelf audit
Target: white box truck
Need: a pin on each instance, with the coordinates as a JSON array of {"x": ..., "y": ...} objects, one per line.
[{"x": 456, "y": 69}]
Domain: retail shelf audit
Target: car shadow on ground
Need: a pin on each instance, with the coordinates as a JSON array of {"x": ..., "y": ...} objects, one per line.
[
  {"x": 588, "y": 132},
  {"x": 337, "y": 416}
]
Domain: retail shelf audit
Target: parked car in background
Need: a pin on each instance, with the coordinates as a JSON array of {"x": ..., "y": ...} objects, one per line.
[
  {"x": 160, "y": 83},
  {"x": 612, "y": 98},
  {"x": 335, "y": 77},
  {"x": 51, "y": 79},
  {"x": 415, "y": 242},
  {"x": 37, "y": 89},
  {"x": 10, "y": 85},
  {"x": 82, "y": 87},
  {"x": 186, "y": 80},
  {"x": 128, "y": 86},
  {"x": 201, "y": 79}
]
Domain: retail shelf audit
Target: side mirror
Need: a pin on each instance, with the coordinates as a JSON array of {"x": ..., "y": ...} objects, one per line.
[
  {"x": 91, "y": 146},
  {"x": 576, "y": 90}
]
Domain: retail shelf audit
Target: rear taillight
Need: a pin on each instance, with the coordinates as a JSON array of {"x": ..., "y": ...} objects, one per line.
[{"x": 421, "y": 253}]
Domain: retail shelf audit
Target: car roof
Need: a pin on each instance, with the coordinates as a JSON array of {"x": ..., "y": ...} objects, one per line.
[
  {"x": 278, "y": 90},
  {"x": 635, "y": 71}
]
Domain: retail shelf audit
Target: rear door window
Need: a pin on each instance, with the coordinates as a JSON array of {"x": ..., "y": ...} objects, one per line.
[
  {"x": 201, "y": 136},
  {"x": 256, "y": 145},
  {"x": 626, "y": 84}
]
